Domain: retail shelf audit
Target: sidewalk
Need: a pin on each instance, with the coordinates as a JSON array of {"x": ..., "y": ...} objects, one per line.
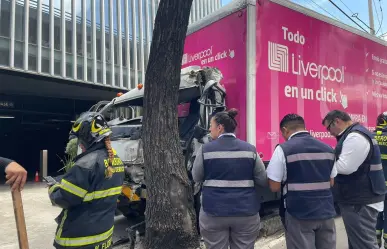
[
  {"x": 41, "y": 227},
  {"x": 39, "y": 215},
  {"x": 277, "y": 241}
]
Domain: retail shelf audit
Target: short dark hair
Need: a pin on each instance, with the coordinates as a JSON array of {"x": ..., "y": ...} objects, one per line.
[
  {"x": 292, "y": 121},
  {"x": 227, "y": 119},
  {"x": 332, "y": 115}
]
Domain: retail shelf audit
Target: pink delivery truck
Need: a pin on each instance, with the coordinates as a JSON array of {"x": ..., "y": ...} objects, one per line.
[{"x": 278, "y": 57}]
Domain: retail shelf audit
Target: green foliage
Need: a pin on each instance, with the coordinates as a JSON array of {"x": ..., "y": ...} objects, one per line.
[
  {"x": 71, "y": 147},
  {"x": 71, "y": 153}
]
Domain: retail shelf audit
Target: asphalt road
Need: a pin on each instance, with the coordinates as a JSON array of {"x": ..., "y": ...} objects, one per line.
[{"x": 40, "y": 215}]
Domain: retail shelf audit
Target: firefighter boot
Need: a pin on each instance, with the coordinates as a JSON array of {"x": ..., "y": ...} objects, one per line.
[
  {"x": 379, "y": 228},
  {"x": 379, "y": 237}
]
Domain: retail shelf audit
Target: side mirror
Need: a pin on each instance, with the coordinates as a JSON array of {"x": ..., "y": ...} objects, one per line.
[
  {"x": 208, "y": 85},
  {"x": 199, "y": 132}
]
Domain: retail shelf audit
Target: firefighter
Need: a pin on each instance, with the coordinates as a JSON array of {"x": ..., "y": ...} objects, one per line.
[
  {"x": 230, "y": 169},
  {"x": 381, "y": 137},
  {"x": 88, "y": 192},
  {"x": 16, "y": 175}
]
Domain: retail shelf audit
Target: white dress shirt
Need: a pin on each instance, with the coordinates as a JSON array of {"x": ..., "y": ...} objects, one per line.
[
  {"x": 276, "y": 170},
  {"x": 226, "y": 134},
  {"x": 355, "y": 151}
]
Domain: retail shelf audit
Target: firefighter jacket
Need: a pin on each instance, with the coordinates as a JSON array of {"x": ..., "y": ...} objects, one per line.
[
  {"x": 88, "y": 200},
  {"x": 381, "y": 137},
  {"x": 367, "y": 184}
]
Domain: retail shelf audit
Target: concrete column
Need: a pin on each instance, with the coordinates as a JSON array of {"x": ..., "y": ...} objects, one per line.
[{"x": 43, "y": 163}]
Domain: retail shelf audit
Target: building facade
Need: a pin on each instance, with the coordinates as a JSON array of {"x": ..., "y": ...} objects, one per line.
[{"x": 92, "y": 41}]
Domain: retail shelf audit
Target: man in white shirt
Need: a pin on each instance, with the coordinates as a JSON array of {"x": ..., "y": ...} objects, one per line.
[
  {"x": 303, "y": 169},
  {"x": 360, "y": 185}
]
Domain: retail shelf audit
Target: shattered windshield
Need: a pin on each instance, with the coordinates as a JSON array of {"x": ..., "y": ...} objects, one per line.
[
  {"x": 131, "y": 112},
  {"x": 123, "y": 112}
]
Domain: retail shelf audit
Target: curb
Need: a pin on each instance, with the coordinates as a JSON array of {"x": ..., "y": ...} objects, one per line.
[
  {"x": 271, "y": 242},
  {"x": 271, "y": 232},
  {"x": 270, "y": 225}
]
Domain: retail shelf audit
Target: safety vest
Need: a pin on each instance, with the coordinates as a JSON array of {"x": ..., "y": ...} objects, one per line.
[
  {"x": 88, "y": 200},
  {"x": 367, "y": 184},
  {"x": 228, "y": 188},
  {"x": 380, "y": 136},
  {"x": 309, "y": 164}
]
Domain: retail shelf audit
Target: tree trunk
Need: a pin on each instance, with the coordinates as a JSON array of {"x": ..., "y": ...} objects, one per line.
[{"x": 170, "y": 216}]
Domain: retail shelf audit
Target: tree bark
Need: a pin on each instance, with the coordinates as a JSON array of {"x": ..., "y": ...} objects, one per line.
[{"x": 170, "y": 215}]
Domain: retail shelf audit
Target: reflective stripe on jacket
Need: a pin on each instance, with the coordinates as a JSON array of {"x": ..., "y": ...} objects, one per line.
[
  {"x": 309, "y": 163},
  {"x": 367, "y": 184},
  {"x": 380, "y": 136},
  {"x": 228, "y": 188},
  {"x": 88, "y": 200}
]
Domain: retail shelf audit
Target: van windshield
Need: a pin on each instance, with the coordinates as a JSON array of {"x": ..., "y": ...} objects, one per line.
[{"x": 130, "y": 112}]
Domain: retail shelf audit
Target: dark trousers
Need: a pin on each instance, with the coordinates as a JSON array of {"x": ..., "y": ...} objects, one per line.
[{"x": 381, "y": 226}]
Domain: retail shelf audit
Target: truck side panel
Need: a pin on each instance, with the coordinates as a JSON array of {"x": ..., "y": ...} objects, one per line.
[
  {"x": 222, "y": 44},
  {"x": 311, "y": 67}
]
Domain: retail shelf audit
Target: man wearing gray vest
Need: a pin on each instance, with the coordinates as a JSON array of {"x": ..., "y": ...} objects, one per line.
[
  {"x": 229, "y": 169},
  {"x": 360, "y": 185},
  {"x": 302, "y": 168}
]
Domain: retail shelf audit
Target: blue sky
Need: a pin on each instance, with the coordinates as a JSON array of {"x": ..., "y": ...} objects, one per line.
[
  {"x": 350, "y": 7},
  {"x": 325, "y": 7}
]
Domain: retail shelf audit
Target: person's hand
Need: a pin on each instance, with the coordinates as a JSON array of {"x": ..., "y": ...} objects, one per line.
[{"x": 16, "y": 176}]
